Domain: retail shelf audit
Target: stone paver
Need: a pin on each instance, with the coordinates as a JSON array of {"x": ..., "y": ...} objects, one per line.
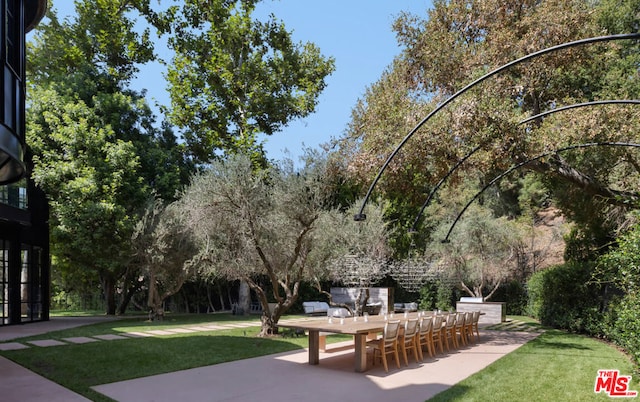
[
  {"x": 215, "y": 327},
  {"x": 80, "y": 340},
  {"x": 180, "y": 330},
  {"x": 241, "y": 325},
  {"x": 200, "y": 329},
  {"x": 126, "y": 335},
  {"x": 110, "y": 337},
  {"x": 45, "y": 343},
  {"x": 160, "y": 332},
  {"x": 13, "y": 346},
  {"x": 137, "y": 334}
]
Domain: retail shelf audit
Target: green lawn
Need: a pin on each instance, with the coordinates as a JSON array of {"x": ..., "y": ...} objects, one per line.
[{"x": 554, "y": 367}]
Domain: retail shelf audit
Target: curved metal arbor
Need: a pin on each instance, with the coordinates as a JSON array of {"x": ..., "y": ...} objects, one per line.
[
  {"x": 527, "y": 120},
  {"x": 360, "y": 216},
  {"x": 521, "y": 164}
]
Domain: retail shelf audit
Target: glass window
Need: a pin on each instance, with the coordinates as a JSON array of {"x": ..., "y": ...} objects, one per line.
[
  {"x": 12, "y": 34},
  {"x": 4, "y": 285}
]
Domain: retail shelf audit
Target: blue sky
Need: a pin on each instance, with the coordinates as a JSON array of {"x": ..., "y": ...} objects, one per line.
[{"x": 357, "y": 33}]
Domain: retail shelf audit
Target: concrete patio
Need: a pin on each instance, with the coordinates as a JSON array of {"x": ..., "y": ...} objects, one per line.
[{"x": 281, "y": 377}]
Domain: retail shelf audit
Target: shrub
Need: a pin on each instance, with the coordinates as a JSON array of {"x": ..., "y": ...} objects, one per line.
[
  {"x": 624, "y": 325},
  {"x": 438, "y": 294},
  {"x": 564, "y": 297},
  {"x": 428, "y": 296},
  {"x": 514, "y": 294},
  {"x": 621, "y": 267}
]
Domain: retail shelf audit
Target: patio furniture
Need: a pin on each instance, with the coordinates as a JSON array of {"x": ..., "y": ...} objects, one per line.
[
  {"x": 315, "y": 307},
  {"x": 356, "y": 326},
  {"x": 387, "y": 344},
  {"x": 476, "y": 318},
  {"x": 425, "y": 336},
  {"x": 468, "y": 326},
  {"x": 410, "y": 340},
  {"x": 359, "y": 329},
  {"x": 405, "y": 307},
  {"x": 436, "y": 333},
  {"x": 459, "y": 334},
  {"x": 450, "y": 332}
]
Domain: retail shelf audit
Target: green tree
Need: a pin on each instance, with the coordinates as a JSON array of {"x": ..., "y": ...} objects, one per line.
[
  {"x": 350, "y": 253},
  {"x": 233, "y": 77},
  {"x": 482, "y": 253},
  {"x": 256, "y": 225},
  {"x": 165, "y": 251},
  {"x": 92, "y": 184},
  {"x": 97, "y": 153},
  {"x": 462, "y": 40},
  {"x": 271, "y": 224}
]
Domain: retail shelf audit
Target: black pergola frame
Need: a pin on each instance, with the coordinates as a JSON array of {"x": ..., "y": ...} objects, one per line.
[
  {"x": 361, "y": 216},
  {"x": 527, "y": 120}
]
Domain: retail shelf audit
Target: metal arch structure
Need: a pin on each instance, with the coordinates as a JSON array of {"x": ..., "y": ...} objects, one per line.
[
  {"x": 360, "y": 216},
  {"x": 527, "y": 120},
  {"x": 519, "y": 165},
  {"x": 433, "y": 191},
  {"x": 578, "y": 105}
]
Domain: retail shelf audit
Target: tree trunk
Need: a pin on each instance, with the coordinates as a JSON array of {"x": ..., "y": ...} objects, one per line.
[
  {"x": 133, "y": 288},
  {"x": 109, "y": 289},
  {"x": 561, "y": 168},
  {"x": 220, "y": 295},
  {"x": 244, "y": 298},
  {"x": 210, "y": 307},
  {"x": 269, "y": 319}
]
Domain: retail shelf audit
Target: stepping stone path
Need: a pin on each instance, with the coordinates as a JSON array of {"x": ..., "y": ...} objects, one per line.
[
  {"x": 80, "y": 340},
  {"x": 129, "y": 335},
  {"x": 516, "y": 325}
]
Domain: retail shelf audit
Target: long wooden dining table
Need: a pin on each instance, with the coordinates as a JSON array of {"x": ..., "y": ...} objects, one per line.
[{"x": 359, "y": 328}]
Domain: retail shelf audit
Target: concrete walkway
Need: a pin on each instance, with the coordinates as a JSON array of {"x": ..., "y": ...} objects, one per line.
[
  {"x": 20, "y": 384},
  {"x": 281, "y": 377}
]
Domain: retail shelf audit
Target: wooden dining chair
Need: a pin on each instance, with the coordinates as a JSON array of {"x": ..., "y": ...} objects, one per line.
[
  {"x": 476, "y": 318},
  {"x": 387, "y": 344},
  {"x": 410, "y": 340},
  {"x": 436, "y": 334},
  {"x": 459, "y": 333},
  {"x": 468, "y": 327},
  {"x": 450, "y": 332},
  {"x": 425, "y": 336}
]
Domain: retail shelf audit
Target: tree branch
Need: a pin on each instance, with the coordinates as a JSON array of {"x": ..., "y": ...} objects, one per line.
[{"x": 589, "y": 185}]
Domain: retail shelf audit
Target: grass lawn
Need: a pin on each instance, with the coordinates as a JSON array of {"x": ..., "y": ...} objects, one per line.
[
  {"x": 79, "y": 367},
  {"x": 554, "y": 367}
]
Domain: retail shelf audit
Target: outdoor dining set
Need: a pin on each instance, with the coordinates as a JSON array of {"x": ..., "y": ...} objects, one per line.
[{"x": 391, "y": 336}]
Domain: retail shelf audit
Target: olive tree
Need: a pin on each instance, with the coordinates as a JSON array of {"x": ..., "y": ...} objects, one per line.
[
  {"x": 354, "y": 254},
  {"x": 482, "y": 253},
  {"x": 165, "y": 252},
  {"x": 257, "y": 224}
]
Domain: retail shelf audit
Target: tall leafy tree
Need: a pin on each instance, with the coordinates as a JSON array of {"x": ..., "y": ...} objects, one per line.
[
  {"x": 271, "y": 228},
  {"x": 233, "y": 77},
  {"x": 257, "y": 225},
  {"x": 462, "y": 40},
  {"x": 165, "y": 252},
  {"x": 97, "y": 153}
]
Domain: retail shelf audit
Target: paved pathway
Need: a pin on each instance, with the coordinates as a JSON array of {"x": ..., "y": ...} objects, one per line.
[
  {"x": 203, "y": 327},
  {"x": 260, "y": 378}
]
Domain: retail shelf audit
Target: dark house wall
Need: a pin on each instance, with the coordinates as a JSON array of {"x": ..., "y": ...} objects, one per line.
[{"x": 24, "y": 229}]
